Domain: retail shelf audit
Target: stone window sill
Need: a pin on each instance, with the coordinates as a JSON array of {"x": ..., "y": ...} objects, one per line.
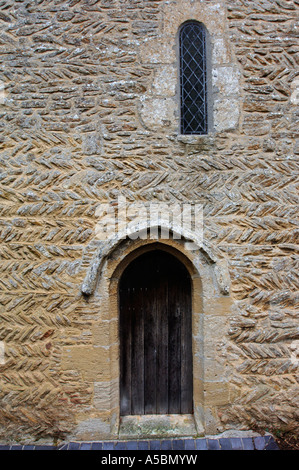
[{"x": 195, "y": 139}]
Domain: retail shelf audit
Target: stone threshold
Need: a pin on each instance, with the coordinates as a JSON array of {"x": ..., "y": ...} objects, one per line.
[{"x": 158, "y": 426}]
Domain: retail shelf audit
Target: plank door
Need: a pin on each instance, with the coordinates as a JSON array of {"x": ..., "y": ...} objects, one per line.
[{"x": 155, "y": 336}]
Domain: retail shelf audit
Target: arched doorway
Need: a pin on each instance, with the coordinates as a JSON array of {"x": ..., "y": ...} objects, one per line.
[{"x": 155, "y": 326}]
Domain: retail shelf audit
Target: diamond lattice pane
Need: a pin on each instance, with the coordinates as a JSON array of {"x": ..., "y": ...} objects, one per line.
[{"x": 193, "y": 79}]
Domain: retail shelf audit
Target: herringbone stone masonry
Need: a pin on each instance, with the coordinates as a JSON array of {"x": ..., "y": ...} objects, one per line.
[{"x": 89, "y": 112}]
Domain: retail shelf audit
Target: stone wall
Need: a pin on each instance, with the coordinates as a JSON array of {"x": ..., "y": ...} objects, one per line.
[{"x": 90, "y": 110}]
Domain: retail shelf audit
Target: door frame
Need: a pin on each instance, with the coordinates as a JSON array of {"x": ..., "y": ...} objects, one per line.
[
  {"x": 185, "y": 332},
  {"x": 211, "y": 308},
  {"x": 173, "y": 247}
]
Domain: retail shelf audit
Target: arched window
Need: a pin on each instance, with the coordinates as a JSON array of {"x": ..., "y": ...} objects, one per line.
[{"x": 193, "y": 78}]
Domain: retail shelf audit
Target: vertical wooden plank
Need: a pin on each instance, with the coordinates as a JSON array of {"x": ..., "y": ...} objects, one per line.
[
  {"x": 137, "y": 359},
  {"x": 186, "y": 346},
  {"x": 150, "y": 344},
  {"x": 162, "y": 343},
  {"x": 125, "y": 351},
  {"x": 174, "y": 345}
]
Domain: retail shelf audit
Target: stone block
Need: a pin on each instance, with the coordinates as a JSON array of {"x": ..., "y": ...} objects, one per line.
[
  {"x": 165, "y": 81},
  {"x": 220, "y": 55},
  {"x": 92, "y": 429},
  {"x": 216, "y": 394},
  {"x": 157, "y": 112},
  {"x": 226, "y": 80},
  {"x": 226, "y": 114},
  {"x": 106, "y": 395},
  {"x": 92, "y": 362}
]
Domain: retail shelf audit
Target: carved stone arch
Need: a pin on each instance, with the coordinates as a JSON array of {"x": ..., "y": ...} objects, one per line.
[
  {"x": 190, "y": 240},
  {"x": 211, "y": 304}
]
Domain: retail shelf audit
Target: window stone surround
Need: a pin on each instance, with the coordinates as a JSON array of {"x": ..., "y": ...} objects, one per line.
[{"x": 159, "y": 105}]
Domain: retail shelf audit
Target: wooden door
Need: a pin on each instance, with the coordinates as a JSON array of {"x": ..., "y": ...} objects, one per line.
[{"x": 155, "y": 336}]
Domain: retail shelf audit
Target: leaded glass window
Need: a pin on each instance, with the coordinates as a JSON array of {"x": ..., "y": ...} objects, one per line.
[{"x": 193, "y": 82}]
